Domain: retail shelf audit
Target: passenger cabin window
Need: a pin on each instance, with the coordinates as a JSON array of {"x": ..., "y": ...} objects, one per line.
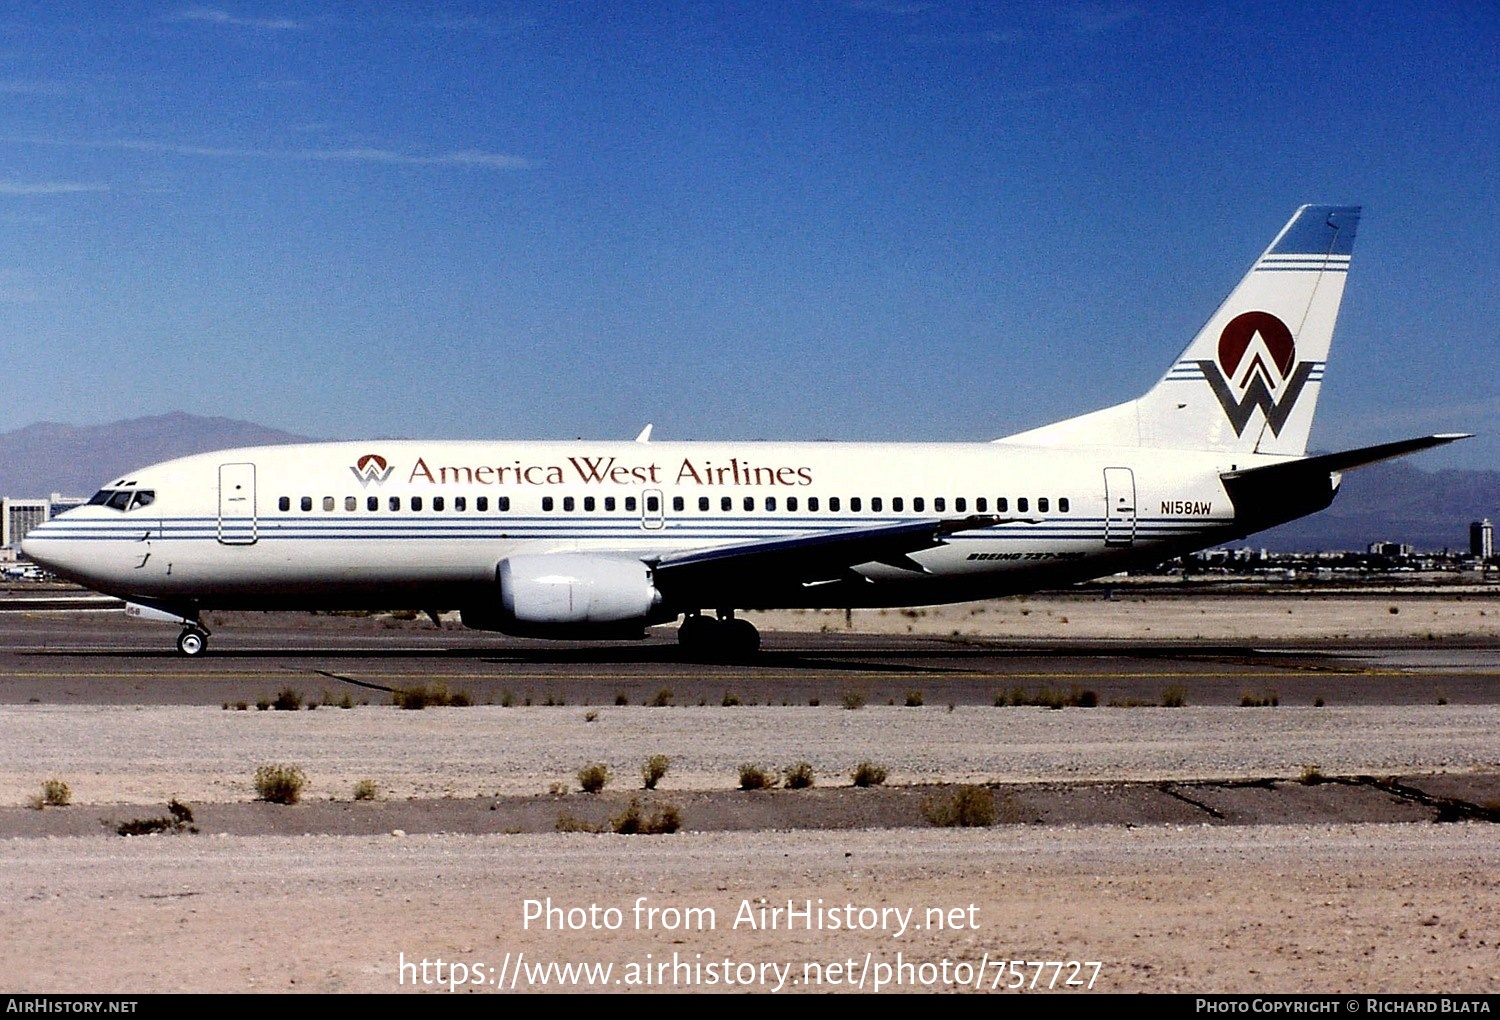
[
  {"x": 854, "y": 504},
  {"x": 918, "y": 504},
  {"x": 1062, "y": 504},
  {"x": 898, "y": 504},
  {"x": 960, "y": 504},
  {"x": 981, "y": 504},
  {"x": 460, "y": 503},
  {"x": 703, "y": 504},
  {"x": 1002, "y": 505},
  {"x": 791, "y": 503},
  {"x": 749, "y": 502},
  {"x": 876, "y": 504},
  {"x": 350, "y": 502},
  {"x": 939, "y": 505},
  {"x": 653, "y": 504},
  {"x": 395, "y": 503},
  {"x": 676, "y": 502},
  {"x": 812, "y": 504},
  {"x": 372, "y": 503},
  {"x": 437, "y": 503},
  {"x": 284, "y": 504},
  {"x": 833, "y": 504},
  {"x": 306, "y": 504},
  {"x": 547, "y": 503},
  {"x": 1022, "y": 505},
  {"x": 1042, "y": 504},
  {"x": 630, "y": 504},
  {"x": 568, "y": 503},
  {"x": 726, "y": 503},
  {"x": 609, "y": 503},
  {"x": 589, "y": 504},
  {"x": 416, "y": 503}
]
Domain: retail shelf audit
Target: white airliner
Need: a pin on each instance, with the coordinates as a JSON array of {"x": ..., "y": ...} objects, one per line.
[{"x": 600, "y": 540}]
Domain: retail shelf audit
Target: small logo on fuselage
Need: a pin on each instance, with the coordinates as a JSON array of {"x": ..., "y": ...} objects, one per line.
[
  {"x": 371, "y": 468},
  {"x": 1256, "y": 367}
]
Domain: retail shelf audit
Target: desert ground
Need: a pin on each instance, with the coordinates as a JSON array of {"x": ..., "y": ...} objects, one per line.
[{"x": 1199, "y": 860}]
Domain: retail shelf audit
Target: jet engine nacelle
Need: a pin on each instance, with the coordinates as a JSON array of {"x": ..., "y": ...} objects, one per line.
[{"x": 571, "y": 595}]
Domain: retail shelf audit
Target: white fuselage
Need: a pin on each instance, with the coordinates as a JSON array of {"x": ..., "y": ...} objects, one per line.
[{"x": 424, "y": 524}]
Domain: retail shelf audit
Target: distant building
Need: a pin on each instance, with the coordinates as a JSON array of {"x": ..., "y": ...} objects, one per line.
[
  {"x": 1482, "y": 539},
  {"x": 1389, "y": 549},
  {"x": 18, "y": 516}
]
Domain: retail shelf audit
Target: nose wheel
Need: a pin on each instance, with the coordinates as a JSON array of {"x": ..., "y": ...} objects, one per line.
[{"x": 192, "y": 641}]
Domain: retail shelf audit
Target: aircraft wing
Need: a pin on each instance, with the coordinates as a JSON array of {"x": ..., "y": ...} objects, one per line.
[{"x": 807, "y": 559}]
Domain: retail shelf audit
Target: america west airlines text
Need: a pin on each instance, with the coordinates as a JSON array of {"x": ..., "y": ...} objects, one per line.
[{"x": 610, "y": 471}]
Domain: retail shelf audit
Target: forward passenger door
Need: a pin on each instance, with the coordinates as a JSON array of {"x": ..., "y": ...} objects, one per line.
[{"x": 237, "y": 519}]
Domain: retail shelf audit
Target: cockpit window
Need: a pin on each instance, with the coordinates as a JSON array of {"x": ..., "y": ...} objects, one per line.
[{"x": 123, "y": 499}]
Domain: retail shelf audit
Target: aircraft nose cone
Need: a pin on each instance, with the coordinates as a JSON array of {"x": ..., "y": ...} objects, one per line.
[{"x": 50, "y": 545}]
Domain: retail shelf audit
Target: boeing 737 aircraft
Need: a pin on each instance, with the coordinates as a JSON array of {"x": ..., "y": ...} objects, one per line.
[{"x": 601, "y": 540}]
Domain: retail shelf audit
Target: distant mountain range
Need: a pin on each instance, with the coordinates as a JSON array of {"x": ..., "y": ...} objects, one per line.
[
  {"x": 1391, "y": 502},
  {"x": 41, "y": 459}
]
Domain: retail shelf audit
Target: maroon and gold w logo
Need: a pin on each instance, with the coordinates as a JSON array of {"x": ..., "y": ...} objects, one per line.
[
  {"x": 371, "y": 468},
  {"x": 1256, "y": 368}
]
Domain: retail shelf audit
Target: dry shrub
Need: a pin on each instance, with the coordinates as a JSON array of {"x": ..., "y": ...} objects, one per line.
[
  {"x": 753, "y": 777},
  {"x": 593, "y": 778},
  {"x": 280, "y": 784},
  {"x": 867, "y": 773},
  {"x": 653, "y": 770},
  {"x": 968, "y": 807}
]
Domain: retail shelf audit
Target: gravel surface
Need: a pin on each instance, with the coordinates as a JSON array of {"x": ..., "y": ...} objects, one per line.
[
  {"x": 111, "y": 754},
  {"x": 1338, "y": 909}
]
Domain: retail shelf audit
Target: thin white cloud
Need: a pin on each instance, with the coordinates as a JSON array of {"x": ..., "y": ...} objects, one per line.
[
  {"x": 1093, "y": 19},
  {"x": 467, "y": 157},
  {"x": 214, "y": 16},
  {"x": 48, "y": 188},
  {"x": 892, "y": 8},
  {"x": 356, "y": 154},
  {"x": 33, "y": 88}
]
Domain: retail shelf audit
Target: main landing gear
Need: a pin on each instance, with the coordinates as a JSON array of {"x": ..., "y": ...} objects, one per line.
[
  {"x": 193, "y": 640},
  {"x": 723, "y": 637}
]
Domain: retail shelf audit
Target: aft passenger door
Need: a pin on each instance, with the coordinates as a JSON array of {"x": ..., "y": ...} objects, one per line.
[
  {"x": 237, "y": 524},
  {"x": 1119, "y": 506}
]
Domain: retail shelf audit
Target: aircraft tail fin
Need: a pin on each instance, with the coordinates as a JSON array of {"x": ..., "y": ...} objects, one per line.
[{"x": 1249, "y": 381}]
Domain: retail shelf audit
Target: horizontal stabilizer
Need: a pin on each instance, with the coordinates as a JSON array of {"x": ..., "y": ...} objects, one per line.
[
  {"x": 1276, "y": 493},
  {"x": 1346, "y": 459}
]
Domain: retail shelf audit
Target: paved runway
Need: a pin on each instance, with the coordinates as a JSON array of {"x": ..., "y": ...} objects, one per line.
[{"x": 102, "y": 658}]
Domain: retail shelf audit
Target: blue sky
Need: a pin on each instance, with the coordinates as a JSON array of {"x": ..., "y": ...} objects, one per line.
[{"x": 872, "y": 219}]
